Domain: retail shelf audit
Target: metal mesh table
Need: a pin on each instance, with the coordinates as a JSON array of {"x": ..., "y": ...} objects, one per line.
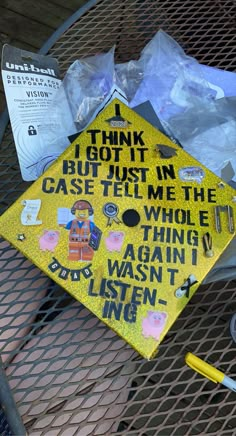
[{"x": 71, "y": 375}]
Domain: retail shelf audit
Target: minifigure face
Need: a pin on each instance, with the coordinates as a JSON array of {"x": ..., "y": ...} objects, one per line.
[{"x": 82, "y": 215}]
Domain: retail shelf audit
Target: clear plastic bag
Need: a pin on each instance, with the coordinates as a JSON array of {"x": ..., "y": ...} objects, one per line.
[
  {"x": 88, "y": 85},
  {"x": 129, "y": 77},
  {"x": 208, "y": 133},
  {"x": 186, "y": 103},
  {"x": 173, "y": 81}
]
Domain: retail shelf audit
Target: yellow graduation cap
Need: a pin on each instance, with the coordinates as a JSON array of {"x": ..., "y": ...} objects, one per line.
[{"x": 127, "y": 222}]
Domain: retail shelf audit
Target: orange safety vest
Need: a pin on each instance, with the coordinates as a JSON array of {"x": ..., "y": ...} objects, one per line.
[{"x": 79, "y": 234}]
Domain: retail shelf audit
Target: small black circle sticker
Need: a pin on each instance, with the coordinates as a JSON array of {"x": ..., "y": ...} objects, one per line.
[{"x": 131, "y": 217}]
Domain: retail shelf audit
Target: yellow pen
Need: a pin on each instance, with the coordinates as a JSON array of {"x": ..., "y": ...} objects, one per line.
[{"x": 209, "y": 371}]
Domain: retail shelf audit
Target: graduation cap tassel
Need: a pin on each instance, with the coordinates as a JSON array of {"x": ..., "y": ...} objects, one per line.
[{"x": 207, "y": 244}]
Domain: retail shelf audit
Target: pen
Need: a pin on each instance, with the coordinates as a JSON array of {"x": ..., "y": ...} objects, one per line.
[{"x": 209, "y": 371}]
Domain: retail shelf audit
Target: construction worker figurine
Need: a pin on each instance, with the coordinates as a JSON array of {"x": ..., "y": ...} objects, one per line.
[{"x": 80, "y": 229}]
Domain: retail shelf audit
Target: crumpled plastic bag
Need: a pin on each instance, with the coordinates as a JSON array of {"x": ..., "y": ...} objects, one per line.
[
  {"x": 172, "y": 81},
  {"x": 87, "y": 83},
  {"x": 186, "y": 103},
  {"x": 87, "y": 87},
  {"x": 208, "y": 133},
  {"x": 129, "y": 77}
]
